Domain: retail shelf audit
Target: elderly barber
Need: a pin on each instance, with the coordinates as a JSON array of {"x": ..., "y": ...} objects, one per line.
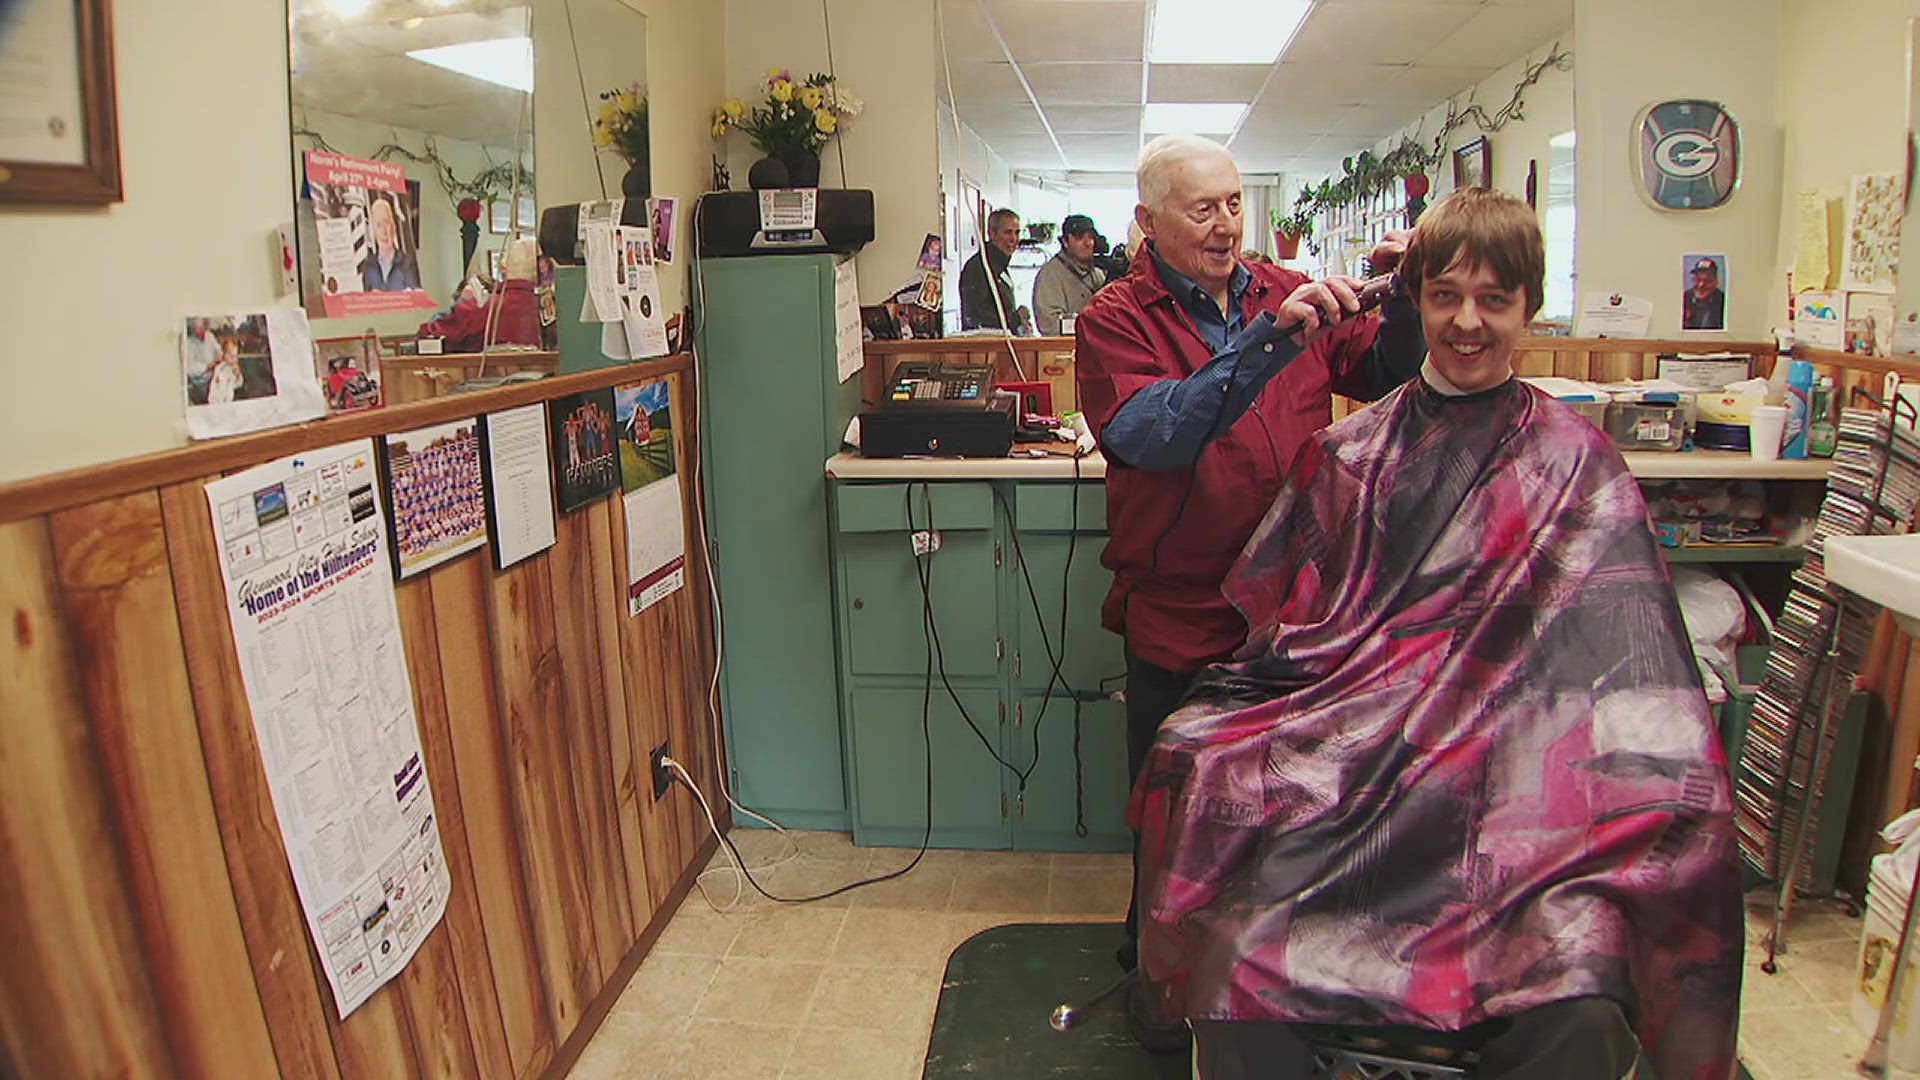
[
  {"x": 1069, "y": 279},
  {"x": 1176, "y": 371}
]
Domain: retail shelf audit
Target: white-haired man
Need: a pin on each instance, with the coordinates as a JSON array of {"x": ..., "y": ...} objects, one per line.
[{"x": 1176, "y": 372}]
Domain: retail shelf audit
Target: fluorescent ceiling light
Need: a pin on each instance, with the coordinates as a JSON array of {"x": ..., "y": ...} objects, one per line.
[
  {"x": 1202, "y": 119},
  {"x": 1564, "y": 139},
  {"x": 1223, "y": 31},
  {"x": 348, "y": 9},
  {"x": 504, "y": 62}
]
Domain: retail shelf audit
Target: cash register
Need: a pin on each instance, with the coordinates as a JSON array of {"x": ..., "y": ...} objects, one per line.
[{"x": 939, "y": 409}]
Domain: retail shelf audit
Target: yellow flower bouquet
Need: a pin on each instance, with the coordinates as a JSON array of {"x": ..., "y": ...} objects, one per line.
[
  {"x": 621, "y": 125},
  {"x": 799, "y": 114}
]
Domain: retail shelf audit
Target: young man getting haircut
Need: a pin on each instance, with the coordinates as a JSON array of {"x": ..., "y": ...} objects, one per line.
[{"x": 1461, "y": 774}]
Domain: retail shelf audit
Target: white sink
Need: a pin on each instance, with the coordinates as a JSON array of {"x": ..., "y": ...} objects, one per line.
[{"x": 1883, "y": 569}]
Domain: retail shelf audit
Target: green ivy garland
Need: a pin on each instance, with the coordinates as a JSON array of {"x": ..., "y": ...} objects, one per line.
[
  {"x": 491, "y": 182},
  {"x": 1366, "y": 174}
]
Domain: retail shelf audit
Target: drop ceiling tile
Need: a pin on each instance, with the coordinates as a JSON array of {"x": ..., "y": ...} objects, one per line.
[
  {"x": 1083, "y": 84},
  {"x": 1271, "y": 122},
  {"x": 1422, "y": 87},
  {"x": 1094, "y": 119},
  {"x": 1382, "y": 32},
  {"x": 978, "y": 86},
  {"x": 1307, "y": 85},
  {"x": 1086, "y": 30},
  {"x": 1205, "y": 82},
  {"x": 1497, "y": 36},
  {"x": 1024, "y": 151},
  {"x": 1375, "y": 121}
]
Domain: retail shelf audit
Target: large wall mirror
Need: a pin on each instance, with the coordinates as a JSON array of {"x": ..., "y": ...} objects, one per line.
[
  {"x": 445, "y": 92},
  {"x": 1054, "y": 105}
]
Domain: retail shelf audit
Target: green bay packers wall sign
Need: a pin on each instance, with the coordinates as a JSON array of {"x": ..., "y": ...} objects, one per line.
[{"x": 1689, "y": 154}]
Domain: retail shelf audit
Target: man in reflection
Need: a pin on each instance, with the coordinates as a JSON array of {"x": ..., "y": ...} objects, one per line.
[
  {"x": 1069, "y": 279},
  {"x": 978, "y": 305},
  {"x": 1705, "y": 303},
  {"x": 388, "y": 267}
]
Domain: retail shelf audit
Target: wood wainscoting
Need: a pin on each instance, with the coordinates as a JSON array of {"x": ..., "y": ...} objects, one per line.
[{"x": 152, "y": 925}]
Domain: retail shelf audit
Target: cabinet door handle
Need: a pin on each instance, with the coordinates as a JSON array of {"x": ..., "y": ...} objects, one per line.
[
  {"x": 999, "y": 649},
  {"x": 1003, "y": 714},
  {"x": 1016, "y": 663},
  {"x": 1019, "y": 713},
  {"x": 996, "y": 554},
  {"x": 1003, "y": 804}
]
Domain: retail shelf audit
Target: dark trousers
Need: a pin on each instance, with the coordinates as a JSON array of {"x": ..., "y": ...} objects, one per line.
[
  {"x": 1152, "y": 693},
  {"x": 1578, "y": 1039}
]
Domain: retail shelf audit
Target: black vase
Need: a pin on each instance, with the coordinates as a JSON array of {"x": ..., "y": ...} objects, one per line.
[
  {"x": 768, "y": 172},
  {"x": 803, "y": 167},
  {"x": 637, "y": 182}
]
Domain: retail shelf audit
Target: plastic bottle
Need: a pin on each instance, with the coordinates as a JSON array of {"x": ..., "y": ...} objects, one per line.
[
  {"x": 1799, "y": 389},
  {"x": 1821, "y": 432}
]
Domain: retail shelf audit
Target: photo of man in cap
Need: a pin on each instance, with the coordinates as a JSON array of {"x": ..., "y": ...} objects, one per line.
[
  {"x": 1069, "y": 279},
  {"x": 1704, "y": 304}
]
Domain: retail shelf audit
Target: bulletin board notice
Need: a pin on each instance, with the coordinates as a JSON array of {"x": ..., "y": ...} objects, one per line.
[{"x": 310, "y": 596}]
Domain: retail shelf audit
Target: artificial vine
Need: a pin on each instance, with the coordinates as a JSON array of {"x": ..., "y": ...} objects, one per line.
[
  {"x": 1366, "y": 174},
  {"x": 491, "y": 182}
]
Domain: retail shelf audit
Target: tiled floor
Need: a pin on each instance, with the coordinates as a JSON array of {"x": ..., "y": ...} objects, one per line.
[{"x": 846, "y": 988}]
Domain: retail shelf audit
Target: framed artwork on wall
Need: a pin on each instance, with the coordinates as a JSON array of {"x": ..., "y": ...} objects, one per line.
[
  {"x": 1473, "y": 164},
  {"x": 59, "y": 127}
]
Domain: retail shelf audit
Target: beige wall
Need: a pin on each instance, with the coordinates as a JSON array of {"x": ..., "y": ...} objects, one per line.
[
  {"x": 883, "y": 51},
  {"x": 1633, "y": 53},
  {"x": 93, "y": 297}
]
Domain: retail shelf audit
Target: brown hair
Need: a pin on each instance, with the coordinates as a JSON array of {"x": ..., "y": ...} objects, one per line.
[{"x": 1479, "y": 227}]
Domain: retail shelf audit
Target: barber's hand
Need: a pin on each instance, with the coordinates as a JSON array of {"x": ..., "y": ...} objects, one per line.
[
  {"x": 1318, "y": 306},
  {"x": 1385, "y": 257}
]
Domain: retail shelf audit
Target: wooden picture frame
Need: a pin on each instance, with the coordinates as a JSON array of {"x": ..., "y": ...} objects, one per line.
[
  {"x": 95, "y": 180},
  {"x": 1473, "y": 164}
]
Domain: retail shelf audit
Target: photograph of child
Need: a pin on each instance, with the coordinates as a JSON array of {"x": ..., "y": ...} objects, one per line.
[
  {"x": 932, "y": 250},
  {"x": 586, "y": 460},
  {"x": 349, "y": 370},
  {"x": 435, "y": 503},
  {"x": 227, "y": 359}
]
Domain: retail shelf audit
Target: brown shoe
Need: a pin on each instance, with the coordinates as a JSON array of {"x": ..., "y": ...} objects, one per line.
[{"x": 1149, "y": 1023}]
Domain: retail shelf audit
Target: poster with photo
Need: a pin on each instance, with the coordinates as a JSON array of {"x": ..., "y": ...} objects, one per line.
[
  {"x": 586, "y": 460},
  {"x": 1703, "y": 292},
  {"x": 247, "y": 372},
  {"x": 349, "y": 370},
  {"x": 656, "y": 532},
  {"x": 1869, "y": 326},
  {"x": 436, "y": 505},
  {"x": 366, "y": 219},
  {"x": 661, "y": 214}
]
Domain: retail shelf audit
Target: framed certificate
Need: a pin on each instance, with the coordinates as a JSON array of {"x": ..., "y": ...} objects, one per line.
[{"x": 59, "y": 133}]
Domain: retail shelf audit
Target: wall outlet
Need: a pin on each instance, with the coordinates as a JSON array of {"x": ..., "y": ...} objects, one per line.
[{"x": 662, "y": 776}]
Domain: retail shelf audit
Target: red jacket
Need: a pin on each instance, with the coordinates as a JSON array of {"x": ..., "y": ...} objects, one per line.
[
  {"x": 1134, "y": 333},
  {"x": 465, "y": 326}
]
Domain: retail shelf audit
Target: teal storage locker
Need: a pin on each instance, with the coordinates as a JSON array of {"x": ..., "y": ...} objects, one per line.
[{"x": 774, "y": 410}]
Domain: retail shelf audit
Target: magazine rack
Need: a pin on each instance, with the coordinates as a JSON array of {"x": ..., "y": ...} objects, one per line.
[{"x": 1818, "y": 643}]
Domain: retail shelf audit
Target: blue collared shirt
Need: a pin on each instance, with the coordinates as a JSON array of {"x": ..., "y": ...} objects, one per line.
[{"x": 1215, "y": 326}]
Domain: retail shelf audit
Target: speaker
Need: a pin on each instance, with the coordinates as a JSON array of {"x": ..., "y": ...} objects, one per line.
[
  {"x": 729, "y": 223},
  {"x": 560, "y": 229},
  {"x": 891, "y": 433}
]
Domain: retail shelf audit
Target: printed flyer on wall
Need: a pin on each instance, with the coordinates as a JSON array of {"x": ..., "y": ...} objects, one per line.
[
  {"x": 366, "y": 233},
  {"x": 310, "y": 596}
]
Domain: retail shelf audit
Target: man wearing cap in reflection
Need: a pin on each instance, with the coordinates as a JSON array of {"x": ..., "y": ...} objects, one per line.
[
  {"x": 1069, "y": 279},
  {"x": 1705, "y": 304}
]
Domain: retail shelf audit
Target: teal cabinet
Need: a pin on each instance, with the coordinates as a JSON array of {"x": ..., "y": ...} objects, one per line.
[
  {"x": 772, "y": 408},
  {"x": 994, "y": 655}
]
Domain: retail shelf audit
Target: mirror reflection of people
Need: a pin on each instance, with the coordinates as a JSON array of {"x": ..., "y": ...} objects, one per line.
[
  {"x": 1704, "y": 304},
  {"x": 389, "y": 267},
  {"x": 225, "y": 376},
  {"x": 1069, "y": 279},
  {"x": 510, "y": 315},
  {"x": 977, "y": 307},
  {"x": 199, "y": 351},
  {"x": 1460, "y": 774}
]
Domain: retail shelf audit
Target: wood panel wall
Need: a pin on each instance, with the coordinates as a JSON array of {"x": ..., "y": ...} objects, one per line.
[{"x": 152, "y": 925}]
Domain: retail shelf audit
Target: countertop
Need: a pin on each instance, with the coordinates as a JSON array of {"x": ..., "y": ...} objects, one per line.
[{"x": 1648, "y": 465}]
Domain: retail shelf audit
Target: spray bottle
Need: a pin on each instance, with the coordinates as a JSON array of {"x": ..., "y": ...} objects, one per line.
[{"x": 1799, "y": 389}]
